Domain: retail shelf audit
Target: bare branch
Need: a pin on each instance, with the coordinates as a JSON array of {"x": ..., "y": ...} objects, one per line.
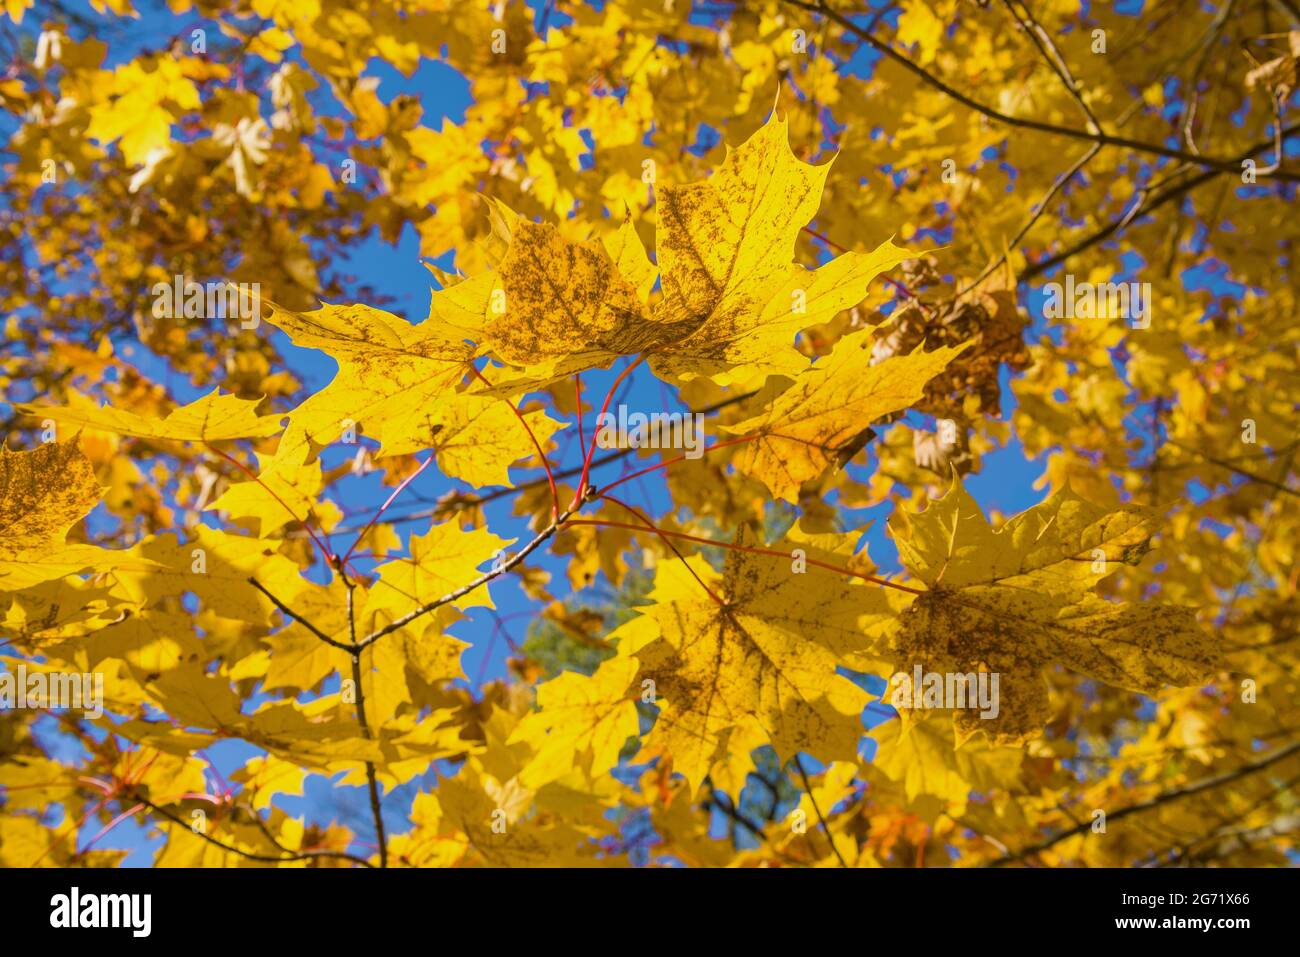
[
  {"x": 1235, "y": 469},
  {"x": 1052, "y": 55},
  {"x": 343, "y": 646},
  {"x": 1166, "y": 196},
  {"x": 1039, "y": 209},
  {"x": 496, "y": 572}
]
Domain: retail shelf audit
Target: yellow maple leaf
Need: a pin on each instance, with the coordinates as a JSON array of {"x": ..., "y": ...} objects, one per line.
[
  {"x": 139, "y": 108},
  {"x": 629, "y": 255},
  {"x": 478, "y": 822},
  {"x": 767, "y": 657},
  {"x": 1012, "y": 601},
  {"x": 213, "y": 418},
  {"x": 920, "y": 24},
  {"x": 924, "y": 757},
  {"x": 287, "y": 729},
  {"x": 402, "y": 382},
  {"x": 563, "y": 299},
  {"x": 264, "y": 778},
  {"x": 213, "y": 565},
  {"x": 43, "y": 494},
  {"x": 279, "y": 495},
  {"x": 733, "y": 297},
  {"x": 14, "y": 9},
  {"x": 732, "y": 293},
  {"x": 441, "y": 560},
  {"x": 579, "y": 715},
  {"x": 53, "y": 609},
  {"x": 153, "y": 641},
  {"x": 392, "y": 669},
  {"x": 814, "y": 424}
]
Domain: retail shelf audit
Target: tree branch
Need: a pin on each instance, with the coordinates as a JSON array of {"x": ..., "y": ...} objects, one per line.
[
  {"x": 250, "y": 855},
  {"x": 1099, "y": 137},
  {"x": 1207, "y": 784},
  {"x": 372, "y": 782},
  {"x": 1039, "y": 209},
  {"x": 1235, "y": 469},
  {"x": 501, "y": 493},
  {"x": 1143, "y": 207},
  {"x": 496, "y": 572},
  {"x": 342, "y": 646},
  {"x": 1052, "y": 55},
  {"x": 754, "y": 549},
  {"x": 822, "y": 820}
]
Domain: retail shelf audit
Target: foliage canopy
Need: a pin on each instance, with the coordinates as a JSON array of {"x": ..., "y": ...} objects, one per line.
[{"x": 830, "y": 236}]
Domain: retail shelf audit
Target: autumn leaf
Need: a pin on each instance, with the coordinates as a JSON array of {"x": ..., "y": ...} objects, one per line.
[
  {"x": 974, "y": 253},
  {"x": 44, "y": 493},
  {"x": 925, "y": 758},
  {"x": 213, "y": 418},
  {"x": 579, "y": 715},
  {"x": 1017, "y": 599},
  {"x": 563, "y": 300},
  {"x": 142, "y": 102},
  {"x": 479, "y": 823},
  {"x": 402, "y": 382},
  {"x": 213, "y": 565},
  {"x": 733, "y": 295},
  {"x": 279, "y": 496},
  {"x": 630, "y": 259},
  {"x": 440, "y": 561},
  {"x": 51, "y": 609},
  {"x": 151, "y": 642},
  {"x": 812, "y": 425},
  {"x": 14, "y": 9},
  {"x": 764, "y": 657}
]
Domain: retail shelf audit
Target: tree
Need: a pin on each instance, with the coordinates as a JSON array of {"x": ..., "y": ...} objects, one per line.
[{"x": 1042, "y": 230}]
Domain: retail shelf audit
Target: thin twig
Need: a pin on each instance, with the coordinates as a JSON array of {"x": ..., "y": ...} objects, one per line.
[
  {"x": 1193, "y": 94},
  {"x": 1038, "y": 211},
  {"x": 1235, "y": 469},
  {"x": 1166, "y": 196},
  {"x": 1052, "y": 55},
  {"x": 325, "y": 552},
  {"x": 667, "y": 541},
  {"x": 372, "y": 782},
  {"x": 496, "y": 572},
  {"x": 609, "y": 396},
  {"x": 1102, "y": 138},
  {"x": 342, "y": 646},
  {"x": 250, "y": 855},
  {"x": 500, "y": 493},
  {"x": 775, "y": 553},
  {"x": 546, "y": 463},
  {"x": 822, "y": 820},
  {"x": 388, "y": 502},
  {"x": 1205, "y": 784}
]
